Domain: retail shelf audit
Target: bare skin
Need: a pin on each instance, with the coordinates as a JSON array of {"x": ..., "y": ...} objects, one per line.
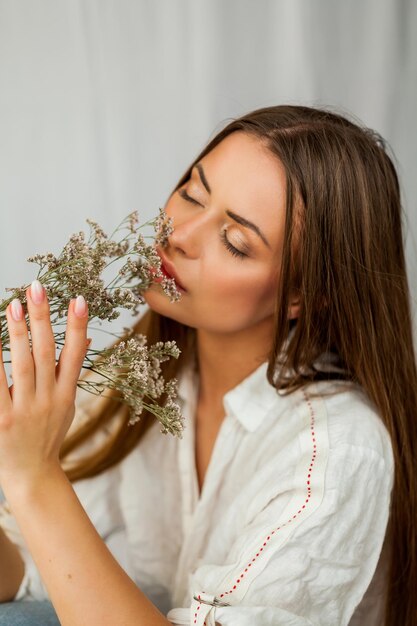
[
  {"x": 11, "y": 569},
  {"x": 208, "y": 422}
]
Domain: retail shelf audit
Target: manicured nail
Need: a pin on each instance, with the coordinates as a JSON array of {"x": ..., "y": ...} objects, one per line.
[
  {"x": 37, "y": 292},
  {"x": 16, "y": 310},
  {"x": 80, "y": 307}
]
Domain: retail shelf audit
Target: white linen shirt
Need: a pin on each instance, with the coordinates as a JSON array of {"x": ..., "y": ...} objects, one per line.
[{"x": 290, "y": 524}]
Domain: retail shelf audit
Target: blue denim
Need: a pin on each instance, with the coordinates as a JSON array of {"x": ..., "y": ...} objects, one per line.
[{"x": 22, "y": 613}]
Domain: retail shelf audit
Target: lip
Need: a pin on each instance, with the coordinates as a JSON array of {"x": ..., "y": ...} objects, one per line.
[{"x": 169, "y": 269}]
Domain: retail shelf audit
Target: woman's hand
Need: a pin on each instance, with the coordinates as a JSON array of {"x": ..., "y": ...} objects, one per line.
[{"x": 37, "y": 410}]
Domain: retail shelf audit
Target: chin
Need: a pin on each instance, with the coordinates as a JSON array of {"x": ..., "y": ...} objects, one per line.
[{"x": 159, "y": 302}]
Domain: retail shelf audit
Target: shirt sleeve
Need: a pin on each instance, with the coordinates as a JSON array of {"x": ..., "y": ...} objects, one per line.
[{"x": 319, "y": 571}]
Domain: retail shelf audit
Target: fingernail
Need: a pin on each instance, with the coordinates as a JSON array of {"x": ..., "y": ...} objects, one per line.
[
  {"x": 80, "y": 307},
  {"x": 37, "y": 292},
  {"x": 16, "y": 310},
  {"x": 88, "y": 342}
]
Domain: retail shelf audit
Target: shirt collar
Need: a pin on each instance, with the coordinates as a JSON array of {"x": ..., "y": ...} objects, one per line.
[{"x": 250, "y": 401}]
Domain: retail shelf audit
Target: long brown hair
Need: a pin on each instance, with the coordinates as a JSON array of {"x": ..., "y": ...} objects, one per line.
[{"x": 343, "y": 252}]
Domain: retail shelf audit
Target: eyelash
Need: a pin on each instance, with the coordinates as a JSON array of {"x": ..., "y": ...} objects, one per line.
[{"x": 223, "y": 237}]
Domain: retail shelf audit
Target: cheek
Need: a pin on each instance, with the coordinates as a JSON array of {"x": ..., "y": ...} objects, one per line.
[{"x": 241, "y": 295}]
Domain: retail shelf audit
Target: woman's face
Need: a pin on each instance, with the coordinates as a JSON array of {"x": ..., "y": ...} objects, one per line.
[{"x": 228, "y": 221}]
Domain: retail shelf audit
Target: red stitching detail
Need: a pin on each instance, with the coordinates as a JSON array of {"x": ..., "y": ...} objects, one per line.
[
  {"x": 198, "y": 608},
  {"x": 313, "y": 458}
]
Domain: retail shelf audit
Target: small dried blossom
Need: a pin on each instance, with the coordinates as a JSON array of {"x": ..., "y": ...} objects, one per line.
[{"x": 131, "y": 367}]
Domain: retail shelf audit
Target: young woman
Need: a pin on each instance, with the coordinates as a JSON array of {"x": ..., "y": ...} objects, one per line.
[{"x": 291, "y": 498}]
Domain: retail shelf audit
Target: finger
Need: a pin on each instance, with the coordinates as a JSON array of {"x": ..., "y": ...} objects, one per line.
[
  {"x": 87, "y": 345},
  {"x": 5, "y": 399},
  {"x": 43, "y": 342},
  {"x": 20, "y": 354},
  {"x": 73, "y": 352}
]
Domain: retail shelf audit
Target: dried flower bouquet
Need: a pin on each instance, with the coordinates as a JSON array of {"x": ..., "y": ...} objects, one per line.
[{"x": 130, "y": 367}]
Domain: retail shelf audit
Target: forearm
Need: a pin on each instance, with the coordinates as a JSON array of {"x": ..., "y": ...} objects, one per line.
[
  {"x": 84, "y": 581},
  {"x": 12, "y": 568}
]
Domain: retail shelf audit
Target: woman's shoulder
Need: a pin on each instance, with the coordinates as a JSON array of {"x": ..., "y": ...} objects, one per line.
[
  {"x": 353, "y": 419},
  {"x": 336, "y": 417}
]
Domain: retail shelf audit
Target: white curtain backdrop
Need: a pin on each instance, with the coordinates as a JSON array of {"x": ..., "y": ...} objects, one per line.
[{"x": 103, "y": 103}]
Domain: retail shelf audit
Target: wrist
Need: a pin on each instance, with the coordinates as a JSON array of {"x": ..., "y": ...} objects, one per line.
[{"x": 24, "y": 487}]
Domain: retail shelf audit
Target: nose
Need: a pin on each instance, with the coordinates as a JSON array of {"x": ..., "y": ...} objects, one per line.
[{"x": 189, "y": 234}]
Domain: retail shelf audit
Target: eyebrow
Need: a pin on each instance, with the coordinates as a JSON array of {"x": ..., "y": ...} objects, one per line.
[{"x": 237, "y": 218}]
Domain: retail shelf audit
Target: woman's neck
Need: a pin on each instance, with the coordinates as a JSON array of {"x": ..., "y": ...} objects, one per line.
[{"x": 225, "y": 360}]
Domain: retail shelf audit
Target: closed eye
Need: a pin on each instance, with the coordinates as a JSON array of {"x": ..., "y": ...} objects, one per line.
[
  {"x": 234, "y": 251},
  {"x": 185, "y": 195}
]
